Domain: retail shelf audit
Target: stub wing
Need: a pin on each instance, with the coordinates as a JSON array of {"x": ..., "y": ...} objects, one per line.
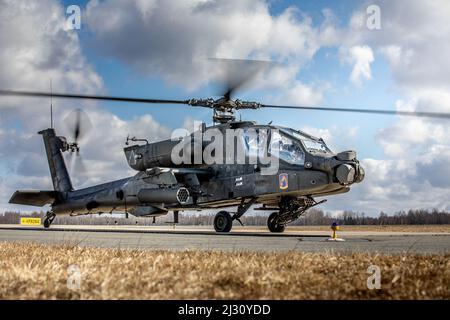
[{"x": 36, "y": 198}]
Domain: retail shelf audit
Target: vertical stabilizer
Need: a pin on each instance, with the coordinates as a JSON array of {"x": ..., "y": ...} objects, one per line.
[{"x": 58, "y": 170}]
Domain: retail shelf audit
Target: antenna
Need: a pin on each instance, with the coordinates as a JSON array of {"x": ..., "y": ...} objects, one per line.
[{"x": 51, "y": 104}]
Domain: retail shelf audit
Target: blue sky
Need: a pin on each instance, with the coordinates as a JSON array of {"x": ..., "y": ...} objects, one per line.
[{"x": 324, "y": 57}]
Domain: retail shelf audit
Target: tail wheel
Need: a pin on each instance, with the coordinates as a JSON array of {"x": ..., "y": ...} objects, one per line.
[
  {"x": 273, "y": 225},
  {"x": 48, "y": 220},
  {"x": 223, "y": 221}
]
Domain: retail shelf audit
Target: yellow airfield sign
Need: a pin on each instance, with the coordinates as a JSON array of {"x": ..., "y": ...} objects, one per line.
[{"x": 30, "y": 221}]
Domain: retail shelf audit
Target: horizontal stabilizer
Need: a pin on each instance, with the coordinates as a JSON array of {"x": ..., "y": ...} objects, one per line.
[{"x": 33, "y": 197}]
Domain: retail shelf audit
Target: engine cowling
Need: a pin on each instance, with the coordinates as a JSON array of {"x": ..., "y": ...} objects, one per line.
[{"x": 159, "y": 154}]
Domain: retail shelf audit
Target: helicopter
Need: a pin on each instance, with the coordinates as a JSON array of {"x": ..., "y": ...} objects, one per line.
[{"x": 306, "y": 168}]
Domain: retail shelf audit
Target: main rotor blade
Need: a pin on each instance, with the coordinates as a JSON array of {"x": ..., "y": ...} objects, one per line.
[
  {"x": 238, "y": 73},
  {"x": 440, "y": 115},
  {"x": 87, "y": 97}
]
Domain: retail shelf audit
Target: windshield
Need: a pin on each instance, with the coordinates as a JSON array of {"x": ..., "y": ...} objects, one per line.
[
  {"x": 255, "y": 142},
  {"x": 310, "y": 144},
  {"x": 315, "y": 146},
  {"x": 288, "y": 150}
]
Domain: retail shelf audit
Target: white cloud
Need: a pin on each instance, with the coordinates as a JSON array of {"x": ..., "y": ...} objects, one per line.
[
  {"x": 396, "y": 56},
  {"x": 36, "y": 48},
  {"x": 414, "y": 42},
  {"x": 337, "y": 138},
  {"x": 414, "y": 39},
  {"x": 299, "y": 94},
  {"x": 361, "y": 58},
  {"x": 174, "y": 40}
]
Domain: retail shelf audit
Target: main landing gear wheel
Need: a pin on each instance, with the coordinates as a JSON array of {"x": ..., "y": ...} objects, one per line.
[
  {"x": 273, "y": 225},
  {"x": 223, "y": 221}
]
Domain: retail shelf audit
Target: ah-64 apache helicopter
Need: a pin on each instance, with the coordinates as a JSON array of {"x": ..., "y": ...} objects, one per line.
[{"x": 307, "y": 169}]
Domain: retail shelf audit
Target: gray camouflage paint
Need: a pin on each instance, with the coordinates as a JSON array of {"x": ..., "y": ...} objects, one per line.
[{"x": 212, "y": 186}]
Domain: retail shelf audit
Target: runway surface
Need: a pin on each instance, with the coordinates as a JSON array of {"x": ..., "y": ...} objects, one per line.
[{"x": 182, "y": 238}]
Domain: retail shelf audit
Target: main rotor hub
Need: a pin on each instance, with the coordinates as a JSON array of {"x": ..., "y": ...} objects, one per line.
[{"x": 224, "y": 109}]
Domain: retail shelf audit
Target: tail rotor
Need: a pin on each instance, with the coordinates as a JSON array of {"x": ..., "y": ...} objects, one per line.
[{"x": 78, "y": 124}]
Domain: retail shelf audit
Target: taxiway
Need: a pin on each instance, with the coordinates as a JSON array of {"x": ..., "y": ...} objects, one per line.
[{"x": 182, "y": 238}]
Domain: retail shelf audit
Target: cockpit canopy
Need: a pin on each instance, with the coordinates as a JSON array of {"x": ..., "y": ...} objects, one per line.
[
  {"x": 311, "y": 144},
  {"x": 256, "y": 144},
  {"x": 288, "y": 144}
]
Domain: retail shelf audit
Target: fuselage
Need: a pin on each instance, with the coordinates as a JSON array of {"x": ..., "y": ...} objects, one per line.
[{"x": 305, "y": 167}]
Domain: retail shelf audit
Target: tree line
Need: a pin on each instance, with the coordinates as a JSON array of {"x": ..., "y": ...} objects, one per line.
[{"x": 314, "y": 217}]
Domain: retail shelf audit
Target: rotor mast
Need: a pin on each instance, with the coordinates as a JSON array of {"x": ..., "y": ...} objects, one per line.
[{"x": 224, "y": 109}]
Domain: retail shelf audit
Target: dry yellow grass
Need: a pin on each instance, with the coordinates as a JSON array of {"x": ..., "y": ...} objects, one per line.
[{"x": 33, "y": 271}]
